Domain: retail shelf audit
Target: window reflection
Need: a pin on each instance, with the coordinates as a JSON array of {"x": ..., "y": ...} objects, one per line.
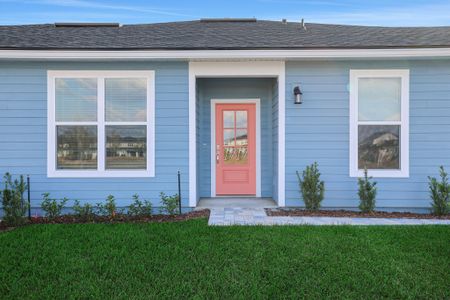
[
  {"x": 228, "y": 119},
  {"x": 76, "y": 99},
  {"x": 126, "y": 99},
  {"x": 76, "y": 147},
  {"x": 378, "y": 146},
  {"x": 235, "y": 155},
  {"x": 379, "y": 99},
  {"x": 126, "y": 147},
  {"x": 241, "y": 119},
  {"x": 241, "y": 137},
  {"x": 235, "y": 137},
  {"x": 228, "y": 137}
]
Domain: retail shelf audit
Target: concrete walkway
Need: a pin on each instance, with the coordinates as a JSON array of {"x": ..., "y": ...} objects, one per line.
[{"x": 226, "y": 216}]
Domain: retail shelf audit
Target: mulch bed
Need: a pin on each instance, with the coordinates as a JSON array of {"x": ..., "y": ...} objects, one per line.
[
  {"x": 71, "y": 219},
  {"x": 280, "y": 212}
]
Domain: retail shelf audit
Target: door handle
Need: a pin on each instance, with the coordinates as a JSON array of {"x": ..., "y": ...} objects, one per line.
[{"x": 217, "y": 153}]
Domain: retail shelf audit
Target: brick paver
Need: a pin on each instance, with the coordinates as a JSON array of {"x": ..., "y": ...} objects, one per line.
[{"x": 257, "y": 216}]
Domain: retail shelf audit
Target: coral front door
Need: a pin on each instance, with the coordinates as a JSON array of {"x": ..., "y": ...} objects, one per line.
[{"x": 235, "y": 149}]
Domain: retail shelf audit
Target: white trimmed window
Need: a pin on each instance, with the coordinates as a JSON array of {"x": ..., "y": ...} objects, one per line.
[
  {"x": 101, "y": 124},
  {"x": 379, "y": 123}
]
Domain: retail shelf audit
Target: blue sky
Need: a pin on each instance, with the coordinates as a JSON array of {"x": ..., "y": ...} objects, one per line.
[{"x": 381, "y": 12}]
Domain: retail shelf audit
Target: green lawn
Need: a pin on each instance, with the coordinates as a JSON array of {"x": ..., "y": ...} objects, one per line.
[{"x": 191, "y": 260}]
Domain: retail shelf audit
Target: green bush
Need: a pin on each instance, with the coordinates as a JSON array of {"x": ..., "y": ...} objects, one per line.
[
  {"x": 311, "y": 187},
  {"x": 367, "y": 193},
  {"x": 169, "y": 204},
  {"x": 52, "y": 207},
  {"x": 14, "y": 207},
  {"x": 440, "y": 193},
  {"x": 84, "y": 212},
  {"x": 109, "y": 208},
  {"x": 140, "y": 208}
]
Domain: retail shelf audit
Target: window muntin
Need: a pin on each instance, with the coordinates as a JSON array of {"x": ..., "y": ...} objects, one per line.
[
  {"x": 235, "y": 135},
  {"x": 379, "y": 122},
  {"x": 101, "y": 124}
]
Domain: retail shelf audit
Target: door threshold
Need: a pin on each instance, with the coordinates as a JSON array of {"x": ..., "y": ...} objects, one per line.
[
  {"x": 234, "y": 196},
  {"x": 233, "y": 202}
]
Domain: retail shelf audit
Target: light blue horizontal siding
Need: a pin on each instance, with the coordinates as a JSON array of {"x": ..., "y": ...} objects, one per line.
[
  {"x": 318, "y": 130},
  {"x": 234, "y": 89},
  {"x": 275, "y": 112},
  {"x": 23, "y": 133}
]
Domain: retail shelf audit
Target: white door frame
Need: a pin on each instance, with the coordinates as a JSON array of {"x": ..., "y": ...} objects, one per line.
[
  {"x": 214, "y": 102},
  {"x": 236, "y": 69}
]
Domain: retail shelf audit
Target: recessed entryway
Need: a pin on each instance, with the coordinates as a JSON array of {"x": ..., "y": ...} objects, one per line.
[
  {"x": 237, "y": 137},
  {"x": 263, "y": 81}
]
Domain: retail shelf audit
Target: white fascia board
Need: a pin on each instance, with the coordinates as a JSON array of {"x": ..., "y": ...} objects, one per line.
[{"x": 224, "y": 54}]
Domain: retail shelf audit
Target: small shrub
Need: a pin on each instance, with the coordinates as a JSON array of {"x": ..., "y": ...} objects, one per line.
[
  {"x": 109, "y": 208},
  {"x": 52, "y": 207},
  {"x": 311, "y": 187},
  {"x": 367, "y": 192},
  {"x": 169, "y": 204},
  {"x": 440, "y": 193},
  {"x": 14, "y": 207},
  {"x": 139, "y": 208},
  {"x": 83, "y": 212}
]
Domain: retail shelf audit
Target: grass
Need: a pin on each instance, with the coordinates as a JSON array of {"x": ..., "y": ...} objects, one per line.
[{"x": 191, "y": 260}]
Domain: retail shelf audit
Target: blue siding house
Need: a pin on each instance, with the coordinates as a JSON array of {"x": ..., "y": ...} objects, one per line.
[{"x": 237, "y": 106}]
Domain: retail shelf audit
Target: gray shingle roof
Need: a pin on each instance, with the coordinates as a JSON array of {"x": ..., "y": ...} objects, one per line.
[{"x": 220, "y": 35}]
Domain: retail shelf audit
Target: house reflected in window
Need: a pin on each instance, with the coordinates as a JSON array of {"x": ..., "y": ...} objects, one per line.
[{"x": 126, "y": 147}]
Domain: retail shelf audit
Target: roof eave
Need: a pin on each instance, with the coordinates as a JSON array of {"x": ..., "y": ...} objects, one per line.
[{"x": 273, "y": 54}]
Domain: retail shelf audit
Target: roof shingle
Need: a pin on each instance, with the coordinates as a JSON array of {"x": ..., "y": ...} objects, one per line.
[{"x": 197, "y": 35}]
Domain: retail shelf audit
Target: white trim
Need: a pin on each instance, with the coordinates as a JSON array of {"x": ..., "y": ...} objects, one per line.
[
  {"x": 101, "y": 152},
  {"x": 258, "y": 140},
  {"x": 235, "y": 69},
  {"x": 100, "y": 123},
  {"x": 192, "y": 139},
  {"x": 292, "y": 54},
  {"x": 404, "y": 123},
  {"x": 281, "y": 136}
]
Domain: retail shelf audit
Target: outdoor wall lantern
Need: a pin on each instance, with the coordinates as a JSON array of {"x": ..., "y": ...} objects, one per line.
[{"x": 298, "y": 95}]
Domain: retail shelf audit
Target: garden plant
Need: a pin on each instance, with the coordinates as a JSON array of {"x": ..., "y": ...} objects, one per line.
[
  {"x": 440, "y": 193},
  {"x": 13, "y": 204},
  {"x": 311, "y": 187},
  {"x": 367, "y": 192}
]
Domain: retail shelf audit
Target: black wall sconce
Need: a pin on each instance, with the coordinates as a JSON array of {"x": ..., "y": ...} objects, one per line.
[{"x": 298, "y": 95}]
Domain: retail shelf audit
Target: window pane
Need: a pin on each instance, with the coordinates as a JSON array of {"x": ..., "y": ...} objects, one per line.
[
  {"x": 228, "y": 119},
  {"x": 76, "y": 99},
  {"x": 76, "y": 147},
  {"x": 228, "y": 137},
  {"x": 379, "y": 146},
  {"x": 126, "y": 99},
  {"x": 126, "y": 147},
  {"x": 241, "y": 137},
  {"x": 379, "y": 99},
  {"x": 241, "y": 119},
  {"x": 235, "y": 155}
]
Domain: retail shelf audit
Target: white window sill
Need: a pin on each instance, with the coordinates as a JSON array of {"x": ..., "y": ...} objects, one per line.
[
  {"x": 99, "y": 174},
  {"x": 381, "y": 173}
]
